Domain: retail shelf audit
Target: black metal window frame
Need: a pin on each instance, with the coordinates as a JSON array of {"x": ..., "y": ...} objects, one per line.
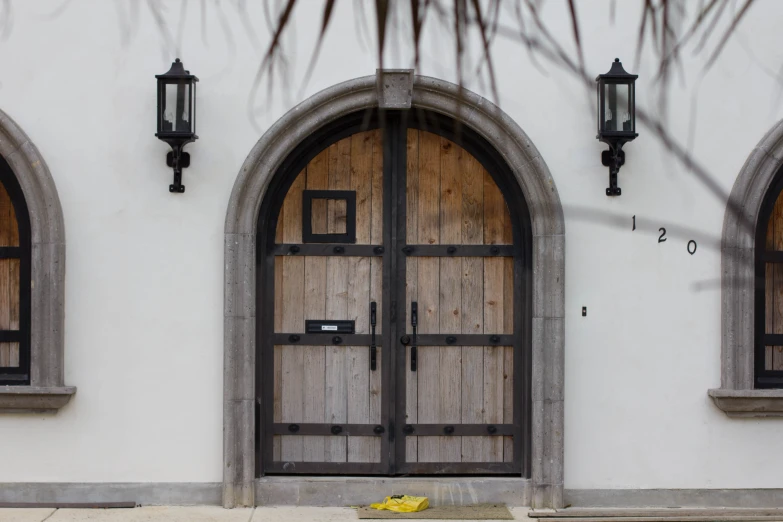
[
  {"x": 349, "y": 196},
  {"x": 19, "y": 376},
  {"x": 764, "y": 378},
  {"x": 395, "y": 125}
]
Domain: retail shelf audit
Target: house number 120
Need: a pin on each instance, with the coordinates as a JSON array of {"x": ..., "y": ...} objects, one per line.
[{"x": 662, "y": 238}]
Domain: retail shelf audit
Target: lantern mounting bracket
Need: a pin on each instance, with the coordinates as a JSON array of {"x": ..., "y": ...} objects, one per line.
[
  {"x": 177, "y": 160},
  {"x": 614, "y": 158}
]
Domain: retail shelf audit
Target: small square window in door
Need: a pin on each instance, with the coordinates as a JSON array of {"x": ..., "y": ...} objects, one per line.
[{"x": 329, "y": 216}]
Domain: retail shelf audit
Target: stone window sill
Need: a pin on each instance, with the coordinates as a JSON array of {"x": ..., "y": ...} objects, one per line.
[
  {"x": 749, "y": 403},
  {"x": 34, "y": 399}
]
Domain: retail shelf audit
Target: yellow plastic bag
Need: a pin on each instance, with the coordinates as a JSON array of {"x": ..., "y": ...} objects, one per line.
[{"x": 403, "y": 504}]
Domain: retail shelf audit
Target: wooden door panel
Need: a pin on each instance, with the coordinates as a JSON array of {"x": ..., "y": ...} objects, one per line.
[
  {"x": 467, "y": 295},
  {"x": 483, "y": 378},
  {"x": 9, "y": 309},
  {"x": 450, "y": 197},
  {"x": 330, "y": 385},
  {"x": 452, "y": 200},
  {"x": 327, "y": 385},
  {"x": 353, "y": 449},
  {"x": 321, "y": 287},
  {"x": 353, "y": 163}
]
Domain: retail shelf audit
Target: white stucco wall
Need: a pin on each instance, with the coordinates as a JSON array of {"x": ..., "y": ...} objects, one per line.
[{"x": 144, "y": 267}]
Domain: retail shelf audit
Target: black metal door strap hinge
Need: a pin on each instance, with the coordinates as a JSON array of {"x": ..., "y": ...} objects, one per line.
[
  {"x": 458, "y": 250},
  {"x": 462, "y": 430}
]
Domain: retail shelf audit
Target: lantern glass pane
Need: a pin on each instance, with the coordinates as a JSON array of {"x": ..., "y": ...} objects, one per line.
[
  {"x": 193, "y": 106},
  {"x": 176, "y": 107},
  {"x": 617, "y": 108},
  {"x": 598, "y": 107}
]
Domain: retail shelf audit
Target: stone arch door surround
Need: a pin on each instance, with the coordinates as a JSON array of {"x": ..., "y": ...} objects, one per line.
[{"x": 396, "y": 89}]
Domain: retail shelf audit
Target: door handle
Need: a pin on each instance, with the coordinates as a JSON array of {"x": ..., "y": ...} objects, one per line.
[
  {"x": 414, "y": 325},
  {"x": 373, "y": 348}
]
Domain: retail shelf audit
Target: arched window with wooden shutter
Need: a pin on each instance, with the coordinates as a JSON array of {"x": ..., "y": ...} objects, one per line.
[{"x": 14, "y": 281}]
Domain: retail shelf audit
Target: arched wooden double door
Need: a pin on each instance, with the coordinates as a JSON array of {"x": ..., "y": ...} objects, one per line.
[{"x": 393, "y": 285}]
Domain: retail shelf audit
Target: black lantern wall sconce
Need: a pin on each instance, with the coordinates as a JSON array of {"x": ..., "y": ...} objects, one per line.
[
  {"x": 616, "y": 118},
  {"x": 177, "y": 118}
]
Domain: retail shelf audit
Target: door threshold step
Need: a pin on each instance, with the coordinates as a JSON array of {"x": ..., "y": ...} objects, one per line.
[
  {"x": 658, "y": 514},
  {"x": 669, "y": 518}
]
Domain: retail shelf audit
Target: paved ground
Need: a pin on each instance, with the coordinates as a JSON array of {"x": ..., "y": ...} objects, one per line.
[{"x": 193, "y": 514}]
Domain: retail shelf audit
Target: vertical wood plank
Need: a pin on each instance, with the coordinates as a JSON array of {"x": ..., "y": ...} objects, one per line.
[
  {"x": 473, "y": 448},
  {"x": 450, "y": 369},
  {"x": 376, "y": 220},
  {"x": 278, "y": 400},
  {"x": 429, "y": 189},
  {"x": 451, "y": 201},
  {"x": 508, "y": 356},
  {"x": 279, "y": 228},
  {"x": 13, "y": 297},
  {"x": 337, "y": 304},
  {"x": 7, "y": 223},
  {"x": 450, "y": 296},
  {"x": 9, "y": 228},
  {"x": 292, "y": 211},
  {"x": 361, "y": 181},
  {"x": 376, "y": 231},
  {"x": 495, "y": 214},
  {"x": 411, "y": 278},
  {"x": 428, "y": 290},
  {"x": 493, "y": 398},
  {"x": 769, "y": 310},
  {"x": 376, "y": 396},
  {"x": 412, "y": 188},
  {"x": 314, "y": 381},
  {"x": 428, "y": 358},
  {"x": 5, "y": 309},
  {"x": 376, "y": 377},
  {"x": 358, "y": 357},
  {"x": 376, "y": 285},
  {"x": 277, "y": 405},
  {"x": 292, "y": 320},
  {"x": 279, "y": 282}
]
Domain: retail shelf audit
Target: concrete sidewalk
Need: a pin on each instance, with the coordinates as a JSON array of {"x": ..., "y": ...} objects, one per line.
[{"x": 195, "y": 514}]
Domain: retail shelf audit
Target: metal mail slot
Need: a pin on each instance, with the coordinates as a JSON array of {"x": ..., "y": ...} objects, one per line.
[{"x": 319, "y": 326}]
